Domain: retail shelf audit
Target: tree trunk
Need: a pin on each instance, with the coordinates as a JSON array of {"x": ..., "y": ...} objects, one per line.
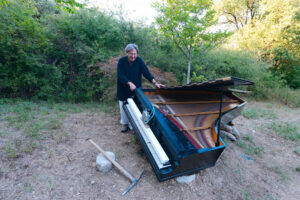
[{"x": 189, "y": 71}]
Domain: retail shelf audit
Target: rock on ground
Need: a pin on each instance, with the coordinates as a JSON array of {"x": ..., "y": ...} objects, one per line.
[
  {"x": 186, "y": 179},
  {"x": 103, "y": 164}
]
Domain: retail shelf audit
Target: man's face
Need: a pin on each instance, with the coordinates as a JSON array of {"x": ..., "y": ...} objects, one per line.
[{"x": 131, "y": 55}]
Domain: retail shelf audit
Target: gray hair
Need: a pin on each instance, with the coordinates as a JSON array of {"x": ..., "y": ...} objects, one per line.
[{"x": 129, "y": 47}]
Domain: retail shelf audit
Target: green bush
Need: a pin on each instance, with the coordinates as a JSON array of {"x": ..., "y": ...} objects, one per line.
[
  {"x": 23, "y": 67},
  {"x": 47, "y": 56},
  {"x": 79, "y": 41},
  {"x": 220, "y": 63},
  {"x": 52, "y": 55},
  {"x": 286, "y": 66}
]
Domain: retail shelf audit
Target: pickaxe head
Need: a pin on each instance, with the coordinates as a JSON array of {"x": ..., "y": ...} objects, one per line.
[{"x": 134, "y": 182}]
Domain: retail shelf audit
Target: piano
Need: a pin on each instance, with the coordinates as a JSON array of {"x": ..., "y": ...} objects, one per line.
[{"x": 178, "y": 127}]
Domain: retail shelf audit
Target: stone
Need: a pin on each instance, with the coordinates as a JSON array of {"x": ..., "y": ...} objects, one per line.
[
  {"x": 226, "y": 128},
  {"x": 228, "y": 135},
  {"x": 186, "y": 179},
  {"x": 235, "y": 132},
  {"x": 103, "y": 164}
]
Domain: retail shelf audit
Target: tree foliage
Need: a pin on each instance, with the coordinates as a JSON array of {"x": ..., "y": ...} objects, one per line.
[
  {"x": 47, "y": 57},
  {"x": 186, "y": 23},
  {"x": 67, "y": 5},
  {"x": 237, "y": 12},
  {"x": 50, "y": 54},
  {"x": 274, "y": 37},
  {"x": 23, "y": 40}
]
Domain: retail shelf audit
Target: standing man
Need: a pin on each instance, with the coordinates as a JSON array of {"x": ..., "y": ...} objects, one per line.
[{"x": 130, "y": 71}]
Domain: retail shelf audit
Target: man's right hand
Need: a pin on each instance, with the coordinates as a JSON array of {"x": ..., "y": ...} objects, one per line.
[{"x": 132, "y": 86}]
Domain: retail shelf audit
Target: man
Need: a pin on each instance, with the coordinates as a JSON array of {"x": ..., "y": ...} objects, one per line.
[{"x": 130, "y": 71}]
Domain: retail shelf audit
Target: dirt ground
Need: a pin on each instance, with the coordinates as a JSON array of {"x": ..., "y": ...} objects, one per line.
[{"x": 65, "y": 168}]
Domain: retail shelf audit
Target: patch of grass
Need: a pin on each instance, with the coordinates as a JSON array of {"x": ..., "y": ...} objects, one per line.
[
  {"x": 284, "y": 95},
  {"x": 256, "y": 113},
  {"x": 110, "y": 107},
  {"x": 33, "y": 130},
  {"x": 250, "y": 113},
  {"x": 61, "y": 107},
  {"x": 287, "y": 130},
  {"x": 261, "y": 127},
  {"x": 287, "y": 96},
  {"x": 36, "y": 119},
  {"x": 11, "y": 152},
  {"x": 250, "y": 148},
  {"x": 298, "y": 169},
  {"x": 29, "y": 148},
  {"x": 239, "y": 174},
  {"x": 279, "y": 171},
  {"x": 270, "y": 197},
  {"x": 53, "y": 122},
  {"x": 4, "y": 133},
  {"x": 246, "y": 195},
  {"x": 249, "y": 138},
  {"x": 27, "y": 187},
  {"x": 297, "y": 151}
]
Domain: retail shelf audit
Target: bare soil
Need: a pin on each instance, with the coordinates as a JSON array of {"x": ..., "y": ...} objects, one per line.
[{"x": 64, "y": 167}]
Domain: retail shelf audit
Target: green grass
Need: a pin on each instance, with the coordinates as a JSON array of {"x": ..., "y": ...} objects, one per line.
[
  {"x": 249, "y": 138},
  {"x": 287, "y": 130},
  {"x": 11, "y": 152},
  {"x": 297, "y": 151},
  {"x": 269, "y": 197},
  {"x": 287, "y": 96},
  {"x": 37, "y": 120},
  {"x": 279, "y": 171},
  {"x": 249, "y": 146},
  {"x": 4, "y": 133},
  {"x": 246, "y": 195},
  {"x": 283, "y": 95},
  {"x": 298, "y": 169},
  {"x": 256, "y": 113}
]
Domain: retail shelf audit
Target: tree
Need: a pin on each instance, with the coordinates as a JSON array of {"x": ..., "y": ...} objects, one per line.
[
  {"x": 67, "y": 5},
  {"x": 186, "y": 22},
  {"x": 274, "y": 37},
  {"x": 237, "y": 12}
]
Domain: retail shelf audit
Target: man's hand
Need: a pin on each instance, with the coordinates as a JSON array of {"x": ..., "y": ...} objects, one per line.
[
  {"x": 131, "y": 86},
  {"x": 158, "y": 85}
]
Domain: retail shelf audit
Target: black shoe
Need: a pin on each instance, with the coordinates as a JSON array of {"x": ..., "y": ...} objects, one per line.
[{"x": 125, "y": 128}]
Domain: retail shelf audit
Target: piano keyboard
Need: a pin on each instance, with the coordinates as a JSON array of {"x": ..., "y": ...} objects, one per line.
[{"x": 154, "y": 146}]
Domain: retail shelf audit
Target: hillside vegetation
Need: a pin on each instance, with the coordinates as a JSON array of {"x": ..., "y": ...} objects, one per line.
[{"x": 50, "y": 54}]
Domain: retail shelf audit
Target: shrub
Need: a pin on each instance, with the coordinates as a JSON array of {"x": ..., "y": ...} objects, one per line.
[
  {"x": 23, "y": 68},
  {"x": 221, "y": 63}
]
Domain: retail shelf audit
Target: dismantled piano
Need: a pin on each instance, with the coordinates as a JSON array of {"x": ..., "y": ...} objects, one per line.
[{"x": 178, "y": 127}]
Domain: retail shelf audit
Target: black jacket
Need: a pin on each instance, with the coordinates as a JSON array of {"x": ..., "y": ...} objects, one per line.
[{"x": 130, "y": 72}]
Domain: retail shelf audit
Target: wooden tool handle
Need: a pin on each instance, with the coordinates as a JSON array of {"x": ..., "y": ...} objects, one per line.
[{"x": 111, "y": 160}]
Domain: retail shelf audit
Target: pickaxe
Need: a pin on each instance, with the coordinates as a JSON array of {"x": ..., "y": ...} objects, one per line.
[{"x": 124, "y": 172}]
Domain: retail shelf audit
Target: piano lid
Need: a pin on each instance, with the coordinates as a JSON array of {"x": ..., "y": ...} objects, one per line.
[{"x": 212, "y": 84}]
